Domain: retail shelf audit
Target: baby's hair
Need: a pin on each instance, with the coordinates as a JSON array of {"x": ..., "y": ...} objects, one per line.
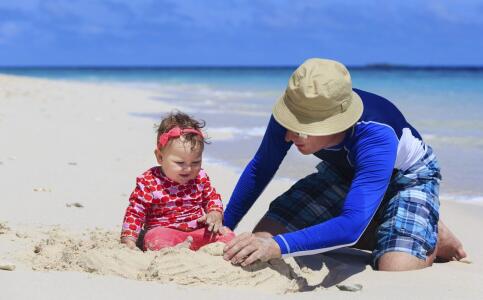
[{"x": 182, "y": 120}]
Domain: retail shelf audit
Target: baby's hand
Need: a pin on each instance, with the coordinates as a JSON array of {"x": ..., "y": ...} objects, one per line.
[
  {"x": 213, "y": 220},
  {"x": 129, "y": 243}
]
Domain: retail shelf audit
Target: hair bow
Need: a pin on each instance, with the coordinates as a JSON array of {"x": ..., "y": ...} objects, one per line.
[{"x": 176, "y": 132}]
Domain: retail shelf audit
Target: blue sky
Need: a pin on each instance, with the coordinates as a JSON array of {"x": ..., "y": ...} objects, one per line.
[{"x": 240, "y": 32}]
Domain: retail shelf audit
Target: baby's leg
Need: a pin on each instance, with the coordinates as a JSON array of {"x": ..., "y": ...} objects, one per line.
[
  {"x": 186, "y": 244},
  {"x": 226, "y": 237},
  {"x": 202, "y": 237},
  {"x": 161, "y": 237}
]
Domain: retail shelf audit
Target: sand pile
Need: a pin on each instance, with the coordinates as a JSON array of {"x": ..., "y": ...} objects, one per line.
[{"x": 99, "y": 252}]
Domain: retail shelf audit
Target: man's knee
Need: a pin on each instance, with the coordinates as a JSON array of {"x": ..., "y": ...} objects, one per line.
[{"x": 401, "y": 261}]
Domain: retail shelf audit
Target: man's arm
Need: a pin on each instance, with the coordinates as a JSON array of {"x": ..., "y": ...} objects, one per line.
[
  {"x": 257, "y": 173},
  {"x": 374, "y": 157}
]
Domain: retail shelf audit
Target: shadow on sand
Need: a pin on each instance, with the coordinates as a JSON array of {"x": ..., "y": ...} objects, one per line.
[{"x": 341, "y": 264}]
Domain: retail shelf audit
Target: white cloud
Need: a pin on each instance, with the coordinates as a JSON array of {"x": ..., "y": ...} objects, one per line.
[
  {"x": 458, "y": 12},
  {"x": 8, "y": 30},
  {"x": 20, "y": 5},
  {"x": 321, "y": 19}
]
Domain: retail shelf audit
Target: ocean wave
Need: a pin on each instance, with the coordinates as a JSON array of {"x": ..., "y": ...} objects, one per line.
[
  {"x": 205, "y": 99},
  {"x": 471, "y": 141},
  {"x": 463, "y": 198},
  {"x": 203, "y": 90},
  {"x": 230, "y": 133}
]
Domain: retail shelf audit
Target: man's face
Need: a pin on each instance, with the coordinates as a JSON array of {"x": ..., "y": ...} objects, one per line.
[{"x": 311, "y": 143}]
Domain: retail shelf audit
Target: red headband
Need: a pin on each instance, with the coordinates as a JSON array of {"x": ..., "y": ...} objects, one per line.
[{"x": 176, "y": 132}]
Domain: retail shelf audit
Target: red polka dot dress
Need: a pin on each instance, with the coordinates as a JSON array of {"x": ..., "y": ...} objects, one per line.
[{"x": 160, "y": 201}]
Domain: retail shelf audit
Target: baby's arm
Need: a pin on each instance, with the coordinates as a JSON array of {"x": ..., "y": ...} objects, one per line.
[
  {"x": 212, "y": 206},
  {"x": 129, "y": 242},
  {"x": 135, "y": 215},
  {"x": 213, "y": 221}
]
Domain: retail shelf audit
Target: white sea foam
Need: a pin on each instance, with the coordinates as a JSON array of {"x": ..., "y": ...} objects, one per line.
[
  {"x": 214, "y": 111},
  {"x": 471, "y": 141},
  {"x": 223, "y": 163},
  {"x": 229, "y": 133},
  {"x": 240, "y": 114},
  {"x": 463, "y": 198},
  {"x": 204, "y": 91}
]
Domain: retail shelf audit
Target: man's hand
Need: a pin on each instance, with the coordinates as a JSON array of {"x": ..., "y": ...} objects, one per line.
[
  {"x": 247, "y": 248},
  {"x": 130, "y": 243},
  {"x": 213, "y": 221}
]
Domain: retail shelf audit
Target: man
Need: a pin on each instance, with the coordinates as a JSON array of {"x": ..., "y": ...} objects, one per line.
[{"x": 375, "y": 167}]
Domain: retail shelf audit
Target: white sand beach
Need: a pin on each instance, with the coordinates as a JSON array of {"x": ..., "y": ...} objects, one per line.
[{"x": 69, "y": 156}]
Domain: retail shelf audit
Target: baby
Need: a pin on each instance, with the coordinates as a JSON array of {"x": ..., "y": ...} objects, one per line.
[{"x": 175, "y": 201}]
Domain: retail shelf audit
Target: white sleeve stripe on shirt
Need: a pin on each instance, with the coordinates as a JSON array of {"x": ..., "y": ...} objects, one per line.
[
  {"x": 316, "y": 251},
  {"x": 285, "y": 242}
]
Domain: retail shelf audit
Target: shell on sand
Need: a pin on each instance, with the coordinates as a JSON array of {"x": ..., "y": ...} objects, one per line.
[
  {"x": 349, "y": 287},
  {"x": 3, "y": 228},
  {"x": 7, "y": 266}
]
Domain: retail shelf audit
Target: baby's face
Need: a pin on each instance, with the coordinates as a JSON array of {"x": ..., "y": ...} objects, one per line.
[{"x": 179, "y": 162}]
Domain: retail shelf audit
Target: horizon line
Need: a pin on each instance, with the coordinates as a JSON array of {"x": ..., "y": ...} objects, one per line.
[{"x": 375, "y": 66}]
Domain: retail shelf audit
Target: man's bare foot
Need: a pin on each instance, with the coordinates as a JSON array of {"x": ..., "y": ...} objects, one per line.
[
  {"x": 449, "y": 247},
  {"x": 186, "y": 243}
]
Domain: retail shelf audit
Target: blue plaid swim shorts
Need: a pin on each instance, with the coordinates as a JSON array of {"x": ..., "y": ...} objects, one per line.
[{"x": 406, "y": 221}]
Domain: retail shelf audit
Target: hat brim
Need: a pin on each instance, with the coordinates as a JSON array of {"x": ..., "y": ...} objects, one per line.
[{"x": 331, "y": 125}]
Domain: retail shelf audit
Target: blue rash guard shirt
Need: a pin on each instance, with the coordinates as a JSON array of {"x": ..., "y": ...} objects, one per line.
[{"x": 381, "y": 141}]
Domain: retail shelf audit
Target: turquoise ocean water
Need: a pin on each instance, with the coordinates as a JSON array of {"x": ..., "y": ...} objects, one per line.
[{"x": 445, "y": 105}]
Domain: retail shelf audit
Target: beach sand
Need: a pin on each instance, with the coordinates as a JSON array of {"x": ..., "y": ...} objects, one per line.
[{"x": 69, "y": 155}]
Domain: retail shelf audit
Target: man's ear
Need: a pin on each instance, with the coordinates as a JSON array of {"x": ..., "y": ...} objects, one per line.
[{"x": 159, "y": 155}]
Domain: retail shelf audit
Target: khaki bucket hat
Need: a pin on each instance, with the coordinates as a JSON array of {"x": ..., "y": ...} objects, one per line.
[{"x": 319, "y": 99}]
